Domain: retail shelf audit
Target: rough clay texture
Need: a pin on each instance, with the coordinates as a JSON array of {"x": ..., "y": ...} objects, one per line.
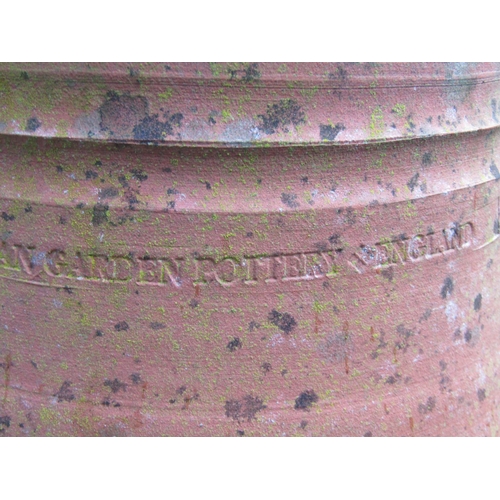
[{"x": 249, "y": 249}]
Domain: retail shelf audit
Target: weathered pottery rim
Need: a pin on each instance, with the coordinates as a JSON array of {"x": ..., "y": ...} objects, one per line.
[{"x": 247, "y": 104}]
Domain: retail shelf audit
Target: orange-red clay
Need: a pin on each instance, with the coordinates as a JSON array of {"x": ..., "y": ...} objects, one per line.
[{"x": 249, "y": 249}]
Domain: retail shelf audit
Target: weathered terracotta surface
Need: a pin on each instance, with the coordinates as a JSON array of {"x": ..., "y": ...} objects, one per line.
[{"x": 249, "y": 249}]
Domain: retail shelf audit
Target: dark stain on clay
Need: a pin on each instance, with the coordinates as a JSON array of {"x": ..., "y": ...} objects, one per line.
[
  {"x": 249, "y": 73},
  {"x": 4, "y": 423},
  {"x": 157, "y": 326},
  {"x": 245, "y": 408},
  {"x": 136, "y": 378},
  {"x": 494, "y": 171},
  {"x": 115, "y": 385},
  {"x": 468, "y": 335},
  {"x": 120, "y": 114},
  {"x": 447, "y": 288},
  {"x": 90, "y": 174},
  {"x": 329, "y": 132},
  {"x": 280, "y": 116},
  {"x": 284, "y": 321},
  {"x": 413, "y": 182},
  {"x": 388, "y": 273},
  {"x": 306, "y": 400},
  {"x": 427, "y": 407},
  {"x": 289, "y": 199},
  {"x": 427, "y": 159},
  {"x": 234, "y": 344},
  {"x": 477, "y": 302},
  {"x": 33, "y": 124},
  {"x": 99, "y": 214},
  {"x": 266, "y": 367},
  {"x": 151, "y": 128},
  {"x": 7, "y": 217},
  {"x": 481, "y": 395},
  {"x": 64, "y": 393},
  {"x": 139, "y": 174},
  {"x": 253, "y": 325},
  {"x": 109, "y": 192},
  {"x": 121, "y": 326}
]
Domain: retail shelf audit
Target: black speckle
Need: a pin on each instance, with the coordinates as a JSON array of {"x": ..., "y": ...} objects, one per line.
[
  {"x": 90, "y": 174},
  {"x": 428, "y": 406},
  {"x": 4, "y": 423},
  {"x": 7, "y": 217},
  {"x": 32, "y": 124},
  {"x": 28, "y": 209},
  {"x": 151, "y": 128},
  {"x": 303, "y": 424},
  {"x": 329, "y": 133},
  {"x": 68, "y": 290},
  {"x": 167, "y": 170},
  {"x": 64, "y": 393},
  {"x": 306, "y": 400},
  {"x": 245, "y": 408},
  {"x": 140, "y": 175},
  {"x": 80, "y": 206},
  {"x": 98, "y": 333},
  {"x": 413, "y": 182},
  {"x": 477, "y": 302},
  {"x": 59, "y": 169},
  {"x": 289, "y": 199},
  {"x": 157, "y": 326},
  {"x": 234, "y": 344},
  {"x": 427, "y": 159},
  {"x": 172, "y": 191},
  {"x": 240, "y": 433},
  {"x": 136, "y": 378},
  {"x": 494, "y": 171},
  {"x": 390, "y": 380},
  {"x": 99, "y": 214},
  {"x": 368, "y": 434},
  {"x": 481, "y": 394},
  {"x": 33, "y": 364},
  {"x": 281, "y": 115},
  {"x": 284, "y": 321},
  {"x": 193, "y": 303},
  {"x": 109, "y": 192},
  {"x": 208, "y": 185},
  {"x": 447, "y": 288},
  {"x": 115, "y": 385},
  {"x": 496, "y": 226},
  {"x": 24, "y": 76},
  {"x": 121, "y": 326},
  {"x": 442, "y": 365}
]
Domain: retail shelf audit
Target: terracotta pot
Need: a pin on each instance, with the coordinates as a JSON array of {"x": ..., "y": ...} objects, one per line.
[{"x": 249, "y": 249}]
